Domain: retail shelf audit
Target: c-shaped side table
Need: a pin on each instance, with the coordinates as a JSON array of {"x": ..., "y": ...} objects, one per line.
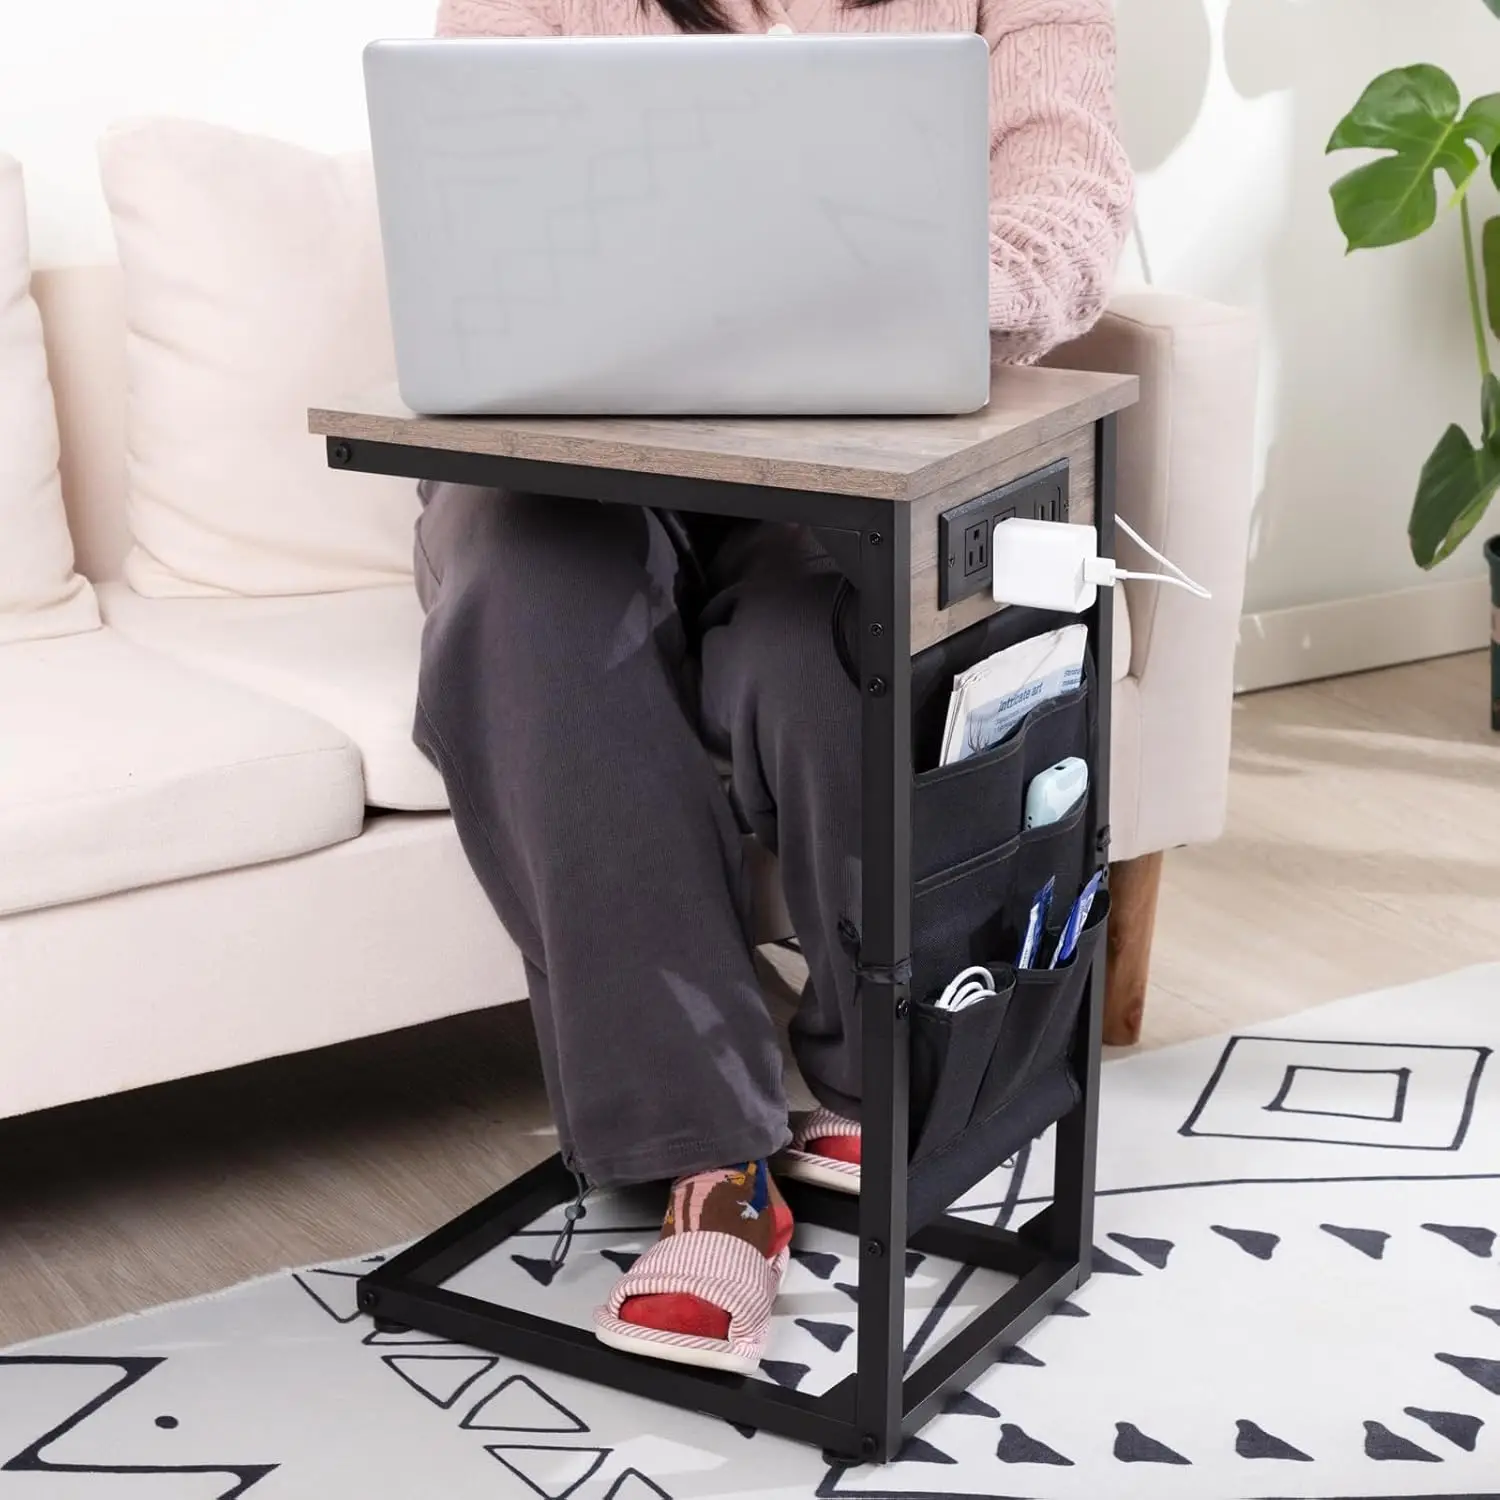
[{"x": 872, "y": 489}]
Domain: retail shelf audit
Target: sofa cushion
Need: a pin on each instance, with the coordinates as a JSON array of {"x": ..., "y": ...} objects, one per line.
[
  {"x": 1120, "y": 665},
  {"x": 40, "y": 593},
  {"x": 121, "y": 768},
  {"x": 349, "y": 658},
  {"x": 254, "y": 289}
]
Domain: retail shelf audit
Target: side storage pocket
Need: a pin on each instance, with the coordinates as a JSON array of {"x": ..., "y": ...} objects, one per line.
[
  {"x": 958, "y": 918},
  {"x": 950, "y": 1053},
  {"x": 1040, "y": 1019},
  {"x": 1056, "y": 852},
  {"x": 963, "y": 810}
]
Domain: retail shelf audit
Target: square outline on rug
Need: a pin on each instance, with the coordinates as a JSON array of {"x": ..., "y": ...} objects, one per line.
[
  {"x": 1298, "y": 1071},
  {"x": 1252, "y": 1067}
]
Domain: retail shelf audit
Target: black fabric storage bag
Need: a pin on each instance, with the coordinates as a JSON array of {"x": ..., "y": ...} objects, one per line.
[
  {"x": 950, "y": 1053},
  {"x": 958, "y": 918},
  {"x": 1057, "y": 852},
  {"x": 1041, "y": 1018},
  {"x": 961, "y": 811}
]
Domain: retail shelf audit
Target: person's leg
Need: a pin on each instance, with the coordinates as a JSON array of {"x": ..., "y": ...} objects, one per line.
[
  {"x": 775, "y": 693},
  {"x": 550, "y": 700}
]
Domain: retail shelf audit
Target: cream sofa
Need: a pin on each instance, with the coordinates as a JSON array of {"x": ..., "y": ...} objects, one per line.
[{"x": 217, "y": 842}]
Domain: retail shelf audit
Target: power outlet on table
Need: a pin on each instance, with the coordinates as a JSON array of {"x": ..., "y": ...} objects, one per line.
[
  {"x": 977, "y": 548},
  {"x": 966, "y": 532}
]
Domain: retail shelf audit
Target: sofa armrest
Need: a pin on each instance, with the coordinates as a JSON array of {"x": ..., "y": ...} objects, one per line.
[{"x": 1185, "y": 476}]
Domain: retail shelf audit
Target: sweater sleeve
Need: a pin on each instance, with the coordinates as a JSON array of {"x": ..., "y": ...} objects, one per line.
[
  {"x": 1060, "y": 183},
  {"x": 499, "y": 18}
]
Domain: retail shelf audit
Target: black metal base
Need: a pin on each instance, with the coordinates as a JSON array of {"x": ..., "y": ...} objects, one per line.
[{"x": 407, "y": 1291}]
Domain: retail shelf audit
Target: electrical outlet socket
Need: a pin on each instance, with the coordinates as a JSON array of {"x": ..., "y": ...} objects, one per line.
[
  {"x": 966, "y": 533},
  {"x": 977, "y": 548}
]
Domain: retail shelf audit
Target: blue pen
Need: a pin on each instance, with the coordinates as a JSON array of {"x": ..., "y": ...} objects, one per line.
[
  {"x": 1073, "y": 927},
  {"x": 1036, "y": 924}
]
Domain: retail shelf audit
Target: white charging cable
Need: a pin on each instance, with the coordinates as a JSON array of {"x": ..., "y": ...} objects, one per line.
[
  {"x": 967, "y": 989},
  {"x": 1102, "y": 571}
]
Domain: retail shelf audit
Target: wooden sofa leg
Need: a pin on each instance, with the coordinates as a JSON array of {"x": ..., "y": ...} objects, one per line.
[{"x": 1134, "y": 885}]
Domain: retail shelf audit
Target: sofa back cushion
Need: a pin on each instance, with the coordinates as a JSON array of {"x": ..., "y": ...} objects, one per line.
[
  {"x": 254, "y": 288},
  {"x": 40, "y": 593}
]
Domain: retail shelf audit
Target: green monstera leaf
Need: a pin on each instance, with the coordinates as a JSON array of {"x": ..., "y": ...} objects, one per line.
[
  {"x": 1413, "y": 113},
  {"x": 1457, "y": 484}
]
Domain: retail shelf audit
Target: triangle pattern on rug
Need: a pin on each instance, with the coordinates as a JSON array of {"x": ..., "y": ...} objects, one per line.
[
  {"x": 967, "y": 1404},
  {"x": 519, "y": 1404},
  {"x": 1014, "y": 1354},
  {"x": 1254, "y": 1441},
  {"x": 1369, "y": 1242},
  {"x": 1106, "y": 1264},
  {"x": 1070, "y": 1310},
  {"x": 1132, "y": 1446},
  {"x": 541, "y": 1271},
  {"x": 334, "y": 1291},
  {"x": 830, "y": 1335},
  {"x": 624, "y": 1259},
  {"x": 1019, "y": 1447},
  {"x": 851, "y": 1292},
  {"x": 914, "y": 1258},
  {"x": 819, "y": 1262},
  {"x": 378, "y": 1337},
  {"x": 1485, "y": 1372},
  {"x": 1470, "y": 1237},
  {"x": 1460, "y": 1430},
  {"x": 917, "y": 1450},
  {"x": 1256, "y": 1242},
  {"x": 633, "y": 1485},
  {"x": 1153, "y": 1252},
  {"x": 553, "y": 1473},
  {"x": 787, "y": 1375},
  {"x": 1390, "y": 1447},
  {"x": 442, "y": 1378},
  {"x": 1492, "y": 1313}
]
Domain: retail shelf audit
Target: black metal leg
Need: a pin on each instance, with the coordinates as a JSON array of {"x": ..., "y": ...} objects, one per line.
[
  {"x": 885, "y": 960},
  {"x": 1069, "y": 1223}
]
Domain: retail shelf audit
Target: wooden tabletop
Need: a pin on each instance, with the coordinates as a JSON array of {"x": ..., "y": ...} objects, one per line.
[{"x": 885, "y": 458}]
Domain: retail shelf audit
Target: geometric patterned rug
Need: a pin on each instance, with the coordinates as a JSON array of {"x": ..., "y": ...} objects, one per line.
[{"x": 1296, "y": 1294}]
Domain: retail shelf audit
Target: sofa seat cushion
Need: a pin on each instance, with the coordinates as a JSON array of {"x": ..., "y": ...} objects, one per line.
[
  {"x": 120, "y": 768},
  {"x": 348, "y": 658}
]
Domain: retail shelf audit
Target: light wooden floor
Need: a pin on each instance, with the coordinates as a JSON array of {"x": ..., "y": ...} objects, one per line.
[{"x": 1363, "y": 850}]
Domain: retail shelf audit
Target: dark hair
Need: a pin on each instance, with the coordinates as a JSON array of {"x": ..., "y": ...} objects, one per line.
[{"x": 708, "y": 16}]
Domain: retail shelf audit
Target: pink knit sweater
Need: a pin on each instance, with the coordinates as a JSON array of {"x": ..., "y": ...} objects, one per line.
[{"x": 1060, "y": 186}]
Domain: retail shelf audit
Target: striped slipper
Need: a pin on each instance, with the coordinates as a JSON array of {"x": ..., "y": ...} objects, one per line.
[
  {"x": 703, "y": 1293},
  {"x": 719, "y": 1268},
  {"x": 813, "y": 1167}
]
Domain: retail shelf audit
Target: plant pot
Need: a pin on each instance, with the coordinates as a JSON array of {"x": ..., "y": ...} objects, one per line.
[{"x": 1492, "y": 556}]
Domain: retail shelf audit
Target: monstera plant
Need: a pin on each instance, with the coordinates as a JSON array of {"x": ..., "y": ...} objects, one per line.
[{"x": 1436, "y": 148}]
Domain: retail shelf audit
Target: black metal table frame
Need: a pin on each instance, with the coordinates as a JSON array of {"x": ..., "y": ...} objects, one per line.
[{"x": 867, "y": 1416}]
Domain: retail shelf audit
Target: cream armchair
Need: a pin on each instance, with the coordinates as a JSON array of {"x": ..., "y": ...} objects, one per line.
[{"x": 1185, "y": 484}]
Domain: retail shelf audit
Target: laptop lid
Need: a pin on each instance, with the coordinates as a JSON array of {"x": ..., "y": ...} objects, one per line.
[{"x": 676, "y": 225}]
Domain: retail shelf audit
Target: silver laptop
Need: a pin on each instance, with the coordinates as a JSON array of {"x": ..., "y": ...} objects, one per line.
[{"x": 754, "y": 225}]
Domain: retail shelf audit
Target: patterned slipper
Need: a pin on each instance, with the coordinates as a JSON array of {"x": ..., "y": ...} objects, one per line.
[
  {"x": 833, "y": 1172},
  {"x": 708, "y": 1268}
]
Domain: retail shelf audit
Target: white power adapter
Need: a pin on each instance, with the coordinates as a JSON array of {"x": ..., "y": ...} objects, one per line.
[
  {"x": 1056, "y": 565},
  {"x": 1042, "y": 564}
]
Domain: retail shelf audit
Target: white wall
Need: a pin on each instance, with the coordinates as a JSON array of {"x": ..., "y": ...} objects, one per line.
[
  {"x": 285, "y": 67},
  {"x": 1227, "y": 105}
]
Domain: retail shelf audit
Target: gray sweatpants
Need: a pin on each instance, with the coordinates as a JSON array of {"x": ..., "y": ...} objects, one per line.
[{"x": 579, "y": 663}]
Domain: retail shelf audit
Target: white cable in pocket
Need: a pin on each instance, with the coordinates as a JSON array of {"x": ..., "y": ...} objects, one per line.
[{"x": 967, "y": 989}]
